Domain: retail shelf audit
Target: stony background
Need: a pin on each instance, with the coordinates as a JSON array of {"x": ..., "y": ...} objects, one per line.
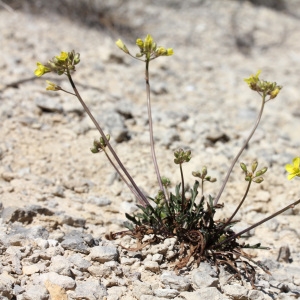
[{"x": 58, "y": 200}]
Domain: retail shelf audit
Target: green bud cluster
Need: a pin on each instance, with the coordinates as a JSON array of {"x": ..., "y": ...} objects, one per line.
[
  {"x": 253, "y": 176},
  {"x": 182, "y": 156},
  {"x": 99, "y": 146},
  {"x": 203, "y": 175}
]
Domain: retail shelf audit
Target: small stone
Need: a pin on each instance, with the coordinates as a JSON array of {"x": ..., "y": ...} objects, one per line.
[
  {"x": 81, "y": 263},
  {"x": 13, "y": 214},
  {"x": 56, "y": 292},
  {"x": 141, "y": 288},
  {"x": 157, "y": 257},
  {"x": 152, "y": 266},
  {"x": 35, "y": 292},
  {"x": 166, "y": 293},
  {"x": 76, "y": 244},
  {"x": 61, "y": 280},
  {"x": 175, "y": 282},
  {"x": 235, "y": 291},
  {"x": 209, "y": 293},
  {"x": 128, "y": 207},
  {"x": 29, "y": 270},
  {"x": 60, "y": 265},
  {"x": 104, "y": 253},
  {"x": 6, "y": 286},
  {"x": 90, "y": 289},
  {"x": 99, "y": 201},
  {"x": 258, "y": 295},
  {"x": 202, "y": 280}
]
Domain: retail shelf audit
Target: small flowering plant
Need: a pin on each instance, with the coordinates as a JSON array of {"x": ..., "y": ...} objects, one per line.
[{"x": 188, "y": 215}]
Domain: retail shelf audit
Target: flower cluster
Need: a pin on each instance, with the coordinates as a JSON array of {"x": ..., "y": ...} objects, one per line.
[
  {"x": 60, "y": 64},
  {"x": 148, "y": 48},
  {"x": 261, "y": 86}
]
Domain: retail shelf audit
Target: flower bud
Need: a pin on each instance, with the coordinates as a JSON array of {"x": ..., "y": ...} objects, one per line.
[
  {"x": 258, "y": 180},
  {"x": 254, "y": 166},
  {"x": 244, "y": 168},
  {"x": 122, "y": 46},
  {"x": 261, "y": 172}
]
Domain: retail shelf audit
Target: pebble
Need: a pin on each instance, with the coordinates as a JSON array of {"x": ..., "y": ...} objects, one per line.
[{"x": 104, "y": 253}]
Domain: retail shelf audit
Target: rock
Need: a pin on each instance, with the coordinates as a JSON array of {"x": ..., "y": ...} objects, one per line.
[
  {"x": 258, "y": 295},
  {"x": 166, "y": 293},
  {"x": 208, "y": 293},
  {"x": 104, "y": 253},
  {"x": 90, "y": 290},
  {"x": 36, "y": 268},
  {"x": 60, "y": 265},
  {"x": 152, "y": 266},
  {"x": 61, "y": 280},
  {"x": 75, "y": 243},
  {"x": 140, "y": 289},
  {"x": 81, "y": 263},
  {"x": 99, "y": 201},
  {"x": 128, "y": 207},
  {"x": 175, "y": 282},
  {"x": 73, "y": 221},
  {"x": 203, "y": 280},
  {"x": 35, "y": 292},
  {"x": 13, "y": 214},
  {"x": 56, "y": 292},
  {"x": 6, "y": 286},
  {"x": 236, "y": 292}
]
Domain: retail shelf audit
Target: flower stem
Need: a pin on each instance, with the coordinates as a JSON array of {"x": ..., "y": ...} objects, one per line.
[
  {"x": 238, "y": 208},
  {"x": 259, "y": 223},
  {"x": 121, "y": 175},
  {"x": 151, "y": 129},
  {"x": 142, "y": 198},
  {"x": 241, "y": 151},
  {"x": 182, "y": 187}
]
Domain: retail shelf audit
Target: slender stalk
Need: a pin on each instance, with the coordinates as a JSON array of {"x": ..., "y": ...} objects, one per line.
[
  {"x": 151, "y": 129},
  {"x": 241, "y": 150},
  {"x": 238, "y": 208},
  {"x": 260, "y": 222},
  {"x": 121, "y": 175},
  {"x": 182, "y": 187},
  {"x": 142, "y": 198}
]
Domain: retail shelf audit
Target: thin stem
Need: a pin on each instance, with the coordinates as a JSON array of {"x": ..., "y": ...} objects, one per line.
[
  {"x": 141, "y": 197},
  {"x": 238, "y": 208},
  {"x": 67, "y": 92},
  {"x": 260, "y": 222},
  {"x": 151, "y": 129},
  {"x": 182, "y": 187},
  {"x": 241, "y": 151},
  {"x": 121, "y": 175}
]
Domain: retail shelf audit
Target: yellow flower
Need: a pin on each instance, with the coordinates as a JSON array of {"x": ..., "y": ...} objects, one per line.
[
  {"x": 170, "y": 51},
  {"x": 275, "y": 92},
  {"x": 140, "y": 43},
  {"x": 63, "y": 56},
  {"x": 148, "y": 44},
  {"x": 41, "y": 70},
  {"x": 253, "y": 79},
  {"x": 122, "y": 46},
  {"x": 293, "y": 169},
  {"x": 52, "y": 86}
]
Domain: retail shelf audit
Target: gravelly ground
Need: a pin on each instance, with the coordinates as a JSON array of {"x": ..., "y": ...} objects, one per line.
[{"x": 197, "y": 94}]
